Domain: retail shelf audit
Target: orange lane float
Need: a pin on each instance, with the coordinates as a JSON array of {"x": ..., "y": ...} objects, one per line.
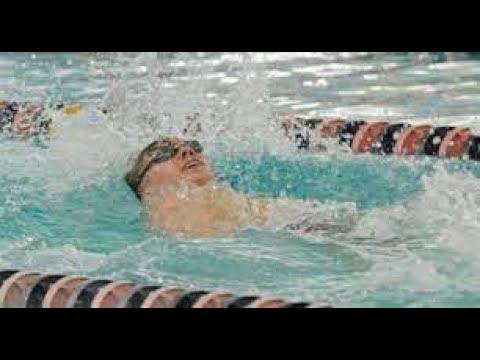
[
  {"x": 331, "y": 127},
  {"x": 454, "y": 143},
  {"x": 384, "y": 138},
  {"x": 409, "y": 142},
  {"x": 367, "y": 135}
]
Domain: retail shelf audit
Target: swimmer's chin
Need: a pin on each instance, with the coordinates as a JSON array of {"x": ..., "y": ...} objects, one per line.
[{"x": 198, "y": 178}]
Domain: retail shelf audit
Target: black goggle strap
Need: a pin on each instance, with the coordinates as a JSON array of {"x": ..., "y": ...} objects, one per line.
[
  {"x": 164, "y": 153},
  {"x": 194, "y": 144},
  {"x": 161, "y": 154}
]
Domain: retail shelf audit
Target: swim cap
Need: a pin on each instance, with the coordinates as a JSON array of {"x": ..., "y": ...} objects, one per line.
[{"x": 135, "y": 175}]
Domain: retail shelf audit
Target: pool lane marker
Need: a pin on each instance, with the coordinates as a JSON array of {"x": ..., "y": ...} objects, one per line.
[
  {"x": 347, "y": 131},
  {"x": 242, "y": 302},
  {"x": 137, "y": 296},
  {"x": 388, "y": 138},
  {"x": 410, "y": 141},
  {"x": 14, "y": 290},
  {"x": 83, "y": 296},
  {"x": 331, "y": 127},
  {"x": 474, "y": 148},
  {"x": 268, "y": 302},
  {"x": 111, "y": 295},
  {"x": 31, "y": 289},
  {"x": 5, "y": 274},
  {"x": 214, "y": 299},
  {"x": 434, "y": 140},
  {"x": 455, "y": 143},
  {"x": 385, "y": 138},
  {"x": 165, "y": 297},
  {"x": 39, "y": 289},
  {"x": 367, "y": 134},
  {"x": 187, "y": 300},
  {"x": 297, "y": 305},
  {"x": 58, "y": 294}
]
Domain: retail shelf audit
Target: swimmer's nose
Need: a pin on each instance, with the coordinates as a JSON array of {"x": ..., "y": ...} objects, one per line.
[{"x": 187, "y": 152}]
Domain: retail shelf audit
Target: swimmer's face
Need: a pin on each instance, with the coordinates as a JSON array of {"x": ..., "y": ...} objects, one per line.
[{"x": 187, "y": 164}]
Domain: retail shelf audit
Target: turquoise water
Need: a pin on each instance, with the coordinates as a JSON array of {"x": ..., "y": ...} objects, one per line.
[{"x": 66, "y": 209}]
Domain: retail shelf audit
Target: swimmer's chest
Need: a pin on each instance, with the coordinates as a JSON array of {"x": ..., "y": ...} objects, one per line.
[
  {"x": 204, "y": 209},
  {"x": 212, "y": 202}
]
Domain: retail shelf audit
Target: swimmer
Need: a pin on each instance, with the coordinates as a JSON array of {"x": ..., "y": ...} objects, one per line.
[{"x": 173, "y": 179}]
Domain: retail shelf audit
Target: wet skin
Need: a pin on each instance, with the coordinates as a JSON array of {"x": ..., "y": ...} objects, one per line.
[{"x": 181, "y": 197}]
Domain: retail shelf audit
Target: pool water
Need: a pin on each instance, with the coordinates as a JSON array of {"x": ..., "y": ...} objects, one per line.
[{"x": 65, "y": 208}]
